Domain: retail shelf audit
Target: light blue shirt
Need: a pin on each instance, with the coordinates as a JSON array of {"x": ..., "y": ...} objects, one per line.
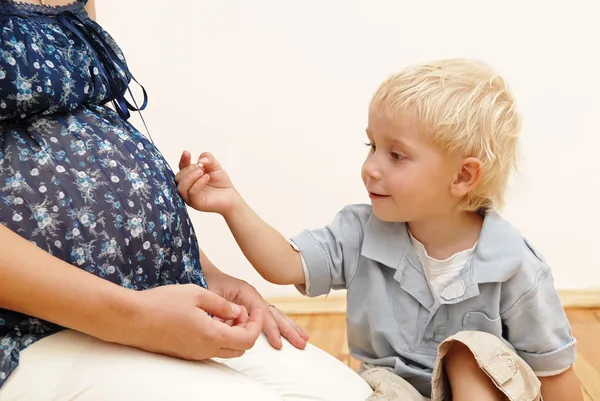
[{"x": 506, "y": 289}]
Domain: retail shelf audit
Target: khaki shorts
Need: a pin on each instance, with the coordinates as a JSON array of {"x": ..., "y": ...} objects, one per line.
[{"x": 503, "y": 366}]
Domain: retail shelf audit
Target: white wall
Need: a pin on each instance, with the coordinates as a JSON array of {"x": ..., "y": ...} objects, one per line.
[{"x": 278, "y": 90}]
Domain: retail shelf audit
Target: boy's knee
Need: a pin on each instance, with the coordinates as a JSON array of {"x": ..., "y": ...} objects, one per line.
[
  {"x": 473, "y": 351},
  {"x": 459, "y": 356},
  {"x": 458, "y": 351}
]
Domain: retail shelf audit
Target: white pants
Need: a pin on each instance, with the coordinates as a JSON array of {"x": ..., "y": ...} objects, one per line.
[{"x": 73, "y": 366}]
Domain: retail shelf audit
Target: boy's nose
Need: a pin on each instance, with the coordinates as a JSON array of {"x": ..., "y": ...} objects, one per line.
[{"x": 371, "y": 170}]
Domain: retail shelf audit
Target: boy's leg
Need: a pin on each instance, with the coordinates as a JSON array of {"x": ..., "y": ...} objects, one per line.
[
  {"x": 476, "y": 361},
  {"x": 467, "y": 380}
]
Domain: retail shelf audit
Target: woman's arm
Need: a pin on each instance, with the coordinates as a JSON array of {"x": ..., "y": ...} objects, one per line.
[
  {"x": 90, "y": 8},
  {"x": 170, "y": 320},
  {"x": 38, "y": 284}
]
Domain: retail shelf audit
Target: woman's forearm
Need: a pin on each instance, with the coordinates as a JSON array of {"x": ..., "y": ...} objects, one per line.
[{"x": 38, "y": 284}]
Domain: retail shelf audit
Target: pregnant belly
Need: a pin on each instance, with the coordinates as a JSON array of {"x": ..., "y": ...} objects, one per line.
[{"x": 91, "y": 190}]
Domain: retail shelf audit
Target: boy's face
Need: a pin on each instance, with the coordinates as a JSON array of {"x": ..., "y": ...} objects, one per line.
[{"x": 407, "y": 178}]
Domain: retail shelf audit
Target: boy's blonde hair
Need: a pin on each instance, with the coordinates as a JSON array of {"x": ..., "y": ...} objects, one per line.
[{"x": 462, "y": 106}]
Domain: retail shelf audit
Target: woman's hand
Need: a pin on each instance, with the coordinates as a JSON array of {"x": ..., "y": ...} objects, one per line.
[
  {"x": 205, "y": 186},
  {"x": 171, "y": 320},
  {"x": 275, "y": 323},
  {"x": 174, "y": 320}
]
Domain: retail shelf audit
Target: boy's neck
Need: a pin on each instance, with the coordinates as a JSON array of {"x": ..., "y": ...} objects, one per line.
[{"x": 444, "y": 236}]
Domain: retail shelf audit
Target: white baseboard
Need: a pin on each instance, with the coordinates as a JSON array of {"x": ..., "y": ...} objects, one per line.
[
  {"x": 337, "y": 303},
  {"x": 308, "y": 306},
  {"x": 580, "y": 298}
]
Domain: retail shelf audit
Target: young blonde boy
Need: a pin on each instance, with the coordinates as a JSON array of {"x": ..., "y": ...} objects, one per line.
[{"x": 445, "y": 299}]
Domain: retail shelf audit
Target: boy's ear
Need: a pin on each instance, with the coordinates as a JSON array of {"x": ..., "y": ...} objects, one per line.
[{"x": 468, "y": 177}]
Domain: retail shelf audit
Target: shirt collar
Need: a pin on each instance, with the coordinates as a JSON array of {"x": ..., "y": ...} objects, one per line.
[{"x": 497, "y": 257}]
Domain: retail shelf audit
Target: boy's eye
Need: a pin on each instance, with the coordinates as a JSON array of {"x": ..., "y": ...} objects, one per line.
[
  {"x": 396, "y": 156},
  {"x": 371, "y": 145}
]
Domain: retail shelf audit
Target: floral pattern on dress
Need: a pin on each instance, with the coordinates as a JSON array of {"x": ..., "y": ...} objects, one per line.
[{"x": 76, "y": 179}]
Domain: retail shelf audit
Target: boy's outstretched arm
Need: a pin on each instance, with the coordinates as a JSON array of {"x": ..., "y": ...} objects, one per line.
[
  {"x": 206, "y": 187},
  {"x": 267, "y": 250}
]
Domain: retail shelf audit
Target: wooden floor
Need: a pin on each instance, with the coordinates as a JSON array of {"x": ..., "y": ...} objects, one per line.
[{"x": 328, "y": 331}]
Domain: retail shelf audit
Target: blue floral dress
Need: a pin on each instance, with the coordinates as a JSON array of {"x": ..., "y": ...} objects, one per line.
[{"x": 76, "y": 178}]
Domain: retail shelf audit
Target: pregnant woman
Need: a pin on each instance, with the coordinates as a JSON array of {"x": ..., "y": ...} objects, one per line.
[{"x": 104, "y": 292}]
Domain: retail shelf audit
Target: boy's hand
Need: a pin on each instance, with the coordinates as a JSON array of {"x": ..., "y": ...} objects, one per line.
[
  {"x": 205, "y": 186},
  {"x": 209, "y": 189}
]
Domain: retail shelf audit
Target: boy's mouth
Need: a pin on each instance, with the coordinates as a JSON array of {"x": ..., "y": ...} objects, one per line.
[{"x": 374, "y": 195}]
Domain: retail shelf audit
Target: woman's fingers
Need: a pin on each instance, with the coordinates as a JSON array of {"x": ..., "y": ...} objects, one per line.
[
  {"x": 272, "y": 329},
  {"x": 229, "y": 353},
  {"x": 289, "y": 329},
  {"x": 242, "y": 337},
  {"x": 242, "y": 319},
  {"x": 219, "y": 307}
]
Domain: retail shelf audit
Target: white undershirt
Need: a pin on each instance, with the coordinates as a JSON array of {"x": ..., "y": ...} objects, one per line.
[{"x": 440, "y": 273}]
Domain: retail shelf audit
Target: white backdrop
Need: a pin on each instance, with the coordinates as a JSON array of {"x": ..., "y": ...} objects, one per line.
[{"x": 278, "y": 90}]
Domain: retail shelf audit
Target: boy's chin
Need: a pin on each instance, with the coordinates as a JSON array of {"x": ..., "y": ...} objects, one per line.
[{"x": 389, "y": 216}]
